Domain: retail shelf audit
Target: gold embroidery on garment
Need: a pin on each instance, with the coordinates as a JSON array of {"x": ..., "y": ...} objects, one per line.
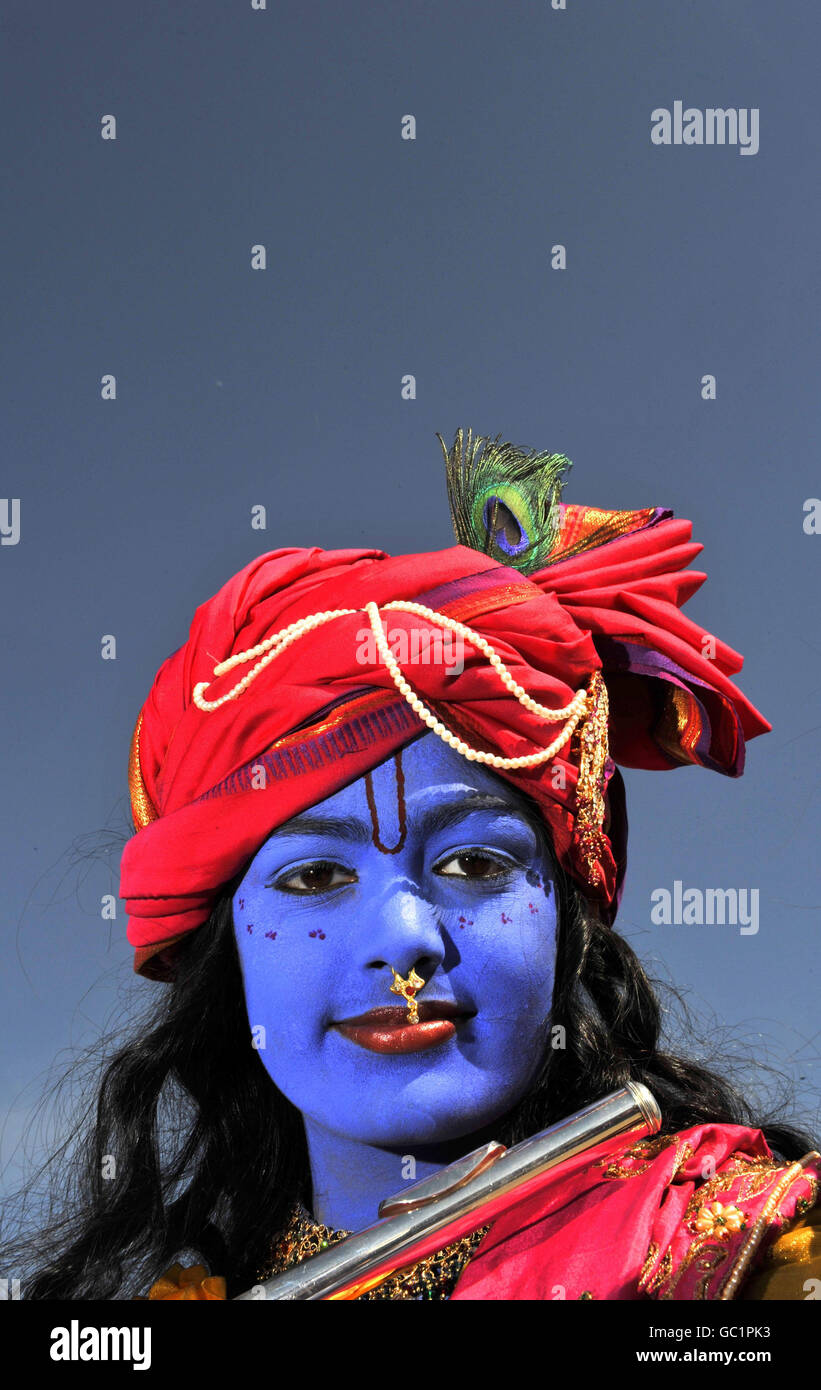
[
  {"x": 709, "y": 1258},
  {"x": 768, "y": 1219},
  {"x": 679, "y": 728},
  {"x": 433, "y": 1278},
  {"x": 584, "y": 527},
  {"x": 141, "y": 808},
  {"x": 641, "y": 1154},
  {"x": 463, "y": 610},
  {"x": 647, "y": 1282},
  {"x": 591, "y": 739},
  {"x": 756, "y": 1174},
  {"x": 347, "y": 711},
  {"x": 707, "y": 1253}
]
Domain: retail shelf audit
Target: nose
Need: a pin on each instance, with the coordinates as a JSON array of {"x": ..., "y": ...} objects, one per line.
[{"x": 406, "y": 934}]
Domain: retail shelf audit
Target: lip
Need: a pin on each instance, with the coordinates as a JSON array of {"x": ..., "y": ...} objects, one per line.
[{"x": 385, "y": 1030}]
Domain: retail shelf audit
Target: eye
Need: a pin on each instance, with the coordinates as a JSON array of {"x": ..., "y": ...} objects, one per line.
[
  {"x": 319, "y": 877},
  {"x": 474, "y": 864}
]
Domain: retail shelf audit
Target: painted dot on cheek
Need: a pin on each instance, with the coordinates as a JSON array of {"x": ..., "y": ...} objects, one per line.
[
  {"x": 271, "y": 935},
  {"x": 533, "y": 909},
  {"x": 250, "y": 928},
  {"x": 505, "y": 917},
  {"x": 242, "y": 902},
  {"x": 317, "y": 933},
  {"x": 465, "y": 922}
]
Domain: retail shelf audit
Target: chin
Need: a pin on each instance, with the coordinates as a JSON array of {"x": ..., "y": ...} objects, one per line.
[{"x": 421, "y": 1114}]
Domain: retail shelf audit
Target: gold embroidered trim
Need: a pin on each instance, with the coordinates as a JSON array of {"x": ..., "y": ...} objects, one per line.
[
  {"x": 471, "y": 606},
  {"x": 756, "y": 1170},
  {"x": 707, "y": 1252},
  {"x": 141, "y": 808},
  {"x": 767, "y": 1217},
  {"x": 643, "y": 1153},
  {"x": 582, "y": 528},
  {"x": 591, "y": 784},
  {"x": 346, "y": 712}
]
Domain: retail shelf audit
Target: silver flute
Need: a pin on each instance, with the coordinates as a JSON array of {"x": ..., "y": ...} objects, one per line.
[{"x": 464, "y": 1196}]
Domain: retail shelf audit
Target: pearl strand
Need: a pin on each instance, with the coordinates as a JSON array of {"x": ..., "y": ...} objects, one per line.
[
  {"x": 439, "y": 620},
  {"x": 474, "y": 755},
  {"x": 275, "y": 645}
]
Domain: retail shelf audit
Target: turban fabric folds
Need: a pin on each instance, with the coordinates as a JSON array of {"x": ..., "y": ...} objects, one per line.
[{"x": 208, "y": 786}]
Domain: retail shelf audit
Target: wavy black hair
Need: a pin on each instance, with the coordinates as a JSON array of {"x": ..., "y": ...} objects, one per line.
[{"x": 188, "y": 1147}]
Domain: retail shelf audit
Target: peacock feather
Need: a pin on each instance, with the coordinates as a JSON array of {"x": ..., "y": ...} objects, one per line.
[{"x": 504, "y": 501}]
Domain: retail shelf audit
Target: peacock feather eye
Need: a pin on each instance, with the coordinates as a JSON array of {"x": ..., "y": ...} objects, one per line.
[
  {"x": 503, "y": 528},
  {"x": 504, "y": 501}
]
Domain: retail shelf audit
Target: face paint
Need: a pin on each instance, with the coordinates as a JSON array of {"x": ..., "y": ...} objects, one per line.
[
  {"x": 401, "y": 809},
  {"x": 338, "y": 906}
]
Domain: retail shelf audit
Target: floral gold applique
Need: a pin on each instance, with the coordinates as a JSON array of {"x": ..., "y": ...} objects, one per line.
[{"x": 719, "y": 1220}]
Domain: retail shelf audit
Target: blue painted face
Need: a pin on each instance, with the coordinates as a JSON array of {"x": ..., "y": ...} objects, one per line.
[{"x": 467, "y": 900}]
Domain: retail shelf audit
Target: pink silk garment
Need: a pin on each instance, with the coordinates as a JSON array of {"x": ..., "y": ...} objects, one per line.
[{"x": 647, "y": 1223}]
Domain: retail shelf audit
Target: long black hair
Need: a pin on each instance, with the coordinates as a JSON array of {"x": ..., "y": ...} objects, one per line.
[{"x": 188, "y": 1147}]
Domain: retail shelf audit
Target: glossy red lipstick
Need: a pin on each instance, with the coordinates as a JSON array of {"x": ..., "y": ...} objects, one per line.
[{"x": 387, "y": 1030}]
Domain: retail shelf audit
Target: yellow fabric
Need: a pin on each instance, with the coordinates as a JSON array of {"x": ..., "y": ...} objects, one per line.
[
  {"x": 792, "y": 1267},
  {"x": 187, "y": 1282}
]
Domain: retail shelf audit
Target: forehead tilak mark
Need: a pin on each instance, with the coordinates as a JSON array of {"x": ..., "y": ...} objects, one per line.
[{"x": 401, "y": 809}]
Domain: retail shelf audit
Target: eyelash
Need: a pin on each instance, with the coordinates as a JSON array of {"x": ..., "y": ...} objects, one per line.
[
  {"x": 278, "y": 882},
  {"x": 506, "y": 865}
]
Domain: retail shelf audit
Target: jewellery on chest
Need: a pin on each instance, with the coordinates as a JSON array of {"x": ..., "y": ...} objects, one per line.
[
  {"x": 432, "y": 1278},
  {"x": 408, "y": 989}
]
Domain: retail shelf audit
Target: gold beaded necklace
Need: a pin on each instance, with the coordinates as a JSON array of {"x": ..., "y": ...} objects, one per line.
[{"x": 433, "y": 1278}]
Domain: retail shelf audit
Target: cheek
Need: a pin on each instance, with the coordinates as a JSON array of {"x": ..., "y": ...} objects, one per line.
[
  {"x": 287, "y": 966},
  {"x": 510, "y": 944}
]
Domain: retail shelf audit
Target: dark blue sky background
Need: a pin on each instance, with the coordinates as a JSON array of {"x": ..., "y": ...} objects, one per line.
[{"x": 388, "y": 257}]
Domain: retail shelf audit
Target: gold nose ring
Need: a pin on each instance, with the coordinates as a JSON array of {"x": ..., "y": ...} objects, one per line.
[{"x": 408, "y": 989}]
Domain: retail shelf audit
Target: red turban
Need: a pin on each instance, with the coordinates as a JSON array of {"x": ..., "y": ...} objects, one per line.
[{"x": 208, "y": 786}]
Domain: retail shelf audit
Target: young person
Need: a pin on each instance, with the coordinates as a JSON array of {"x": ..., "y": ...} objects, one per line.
[{"x": 381, "y": 840}]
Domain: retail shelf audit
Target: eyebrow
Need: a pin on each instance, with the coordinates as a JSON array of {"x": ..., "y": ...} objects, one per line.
[
  {"x": 434, "y": 819},
  {"x": 339, "y": 827},
  {"x": 438, "y": 818}
]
